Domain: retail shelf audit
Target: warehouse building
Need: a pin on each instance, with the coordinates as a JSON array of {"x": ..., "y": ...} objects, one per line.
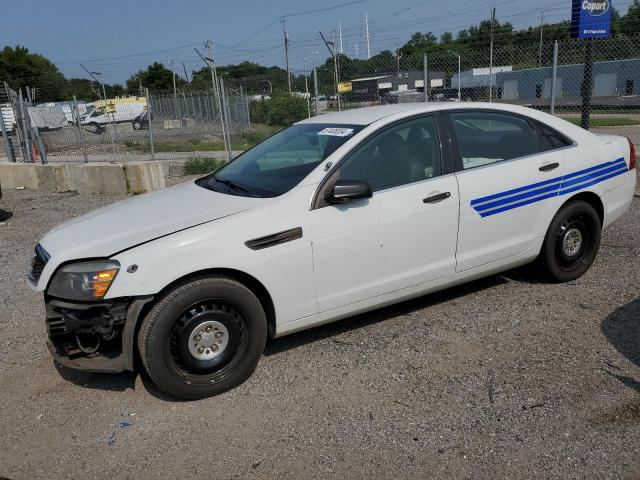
[
  {"x": 612, "y": 81},
  {"x": 400, "y": 84}
]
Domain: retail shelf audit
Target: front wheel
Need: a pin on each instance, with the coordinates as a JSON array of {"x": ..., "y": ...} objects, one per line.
[
  {"x": 203, "y": 338},
  {"x": 572, "y": 242},
  {"x": 137, "y": 125}
]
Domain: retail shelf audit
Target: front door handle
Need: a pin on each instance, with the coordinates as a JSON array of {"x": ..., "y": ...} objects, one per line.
[
  {"x": 549, "y": 166},
  {"x": 438, "y": 197}
]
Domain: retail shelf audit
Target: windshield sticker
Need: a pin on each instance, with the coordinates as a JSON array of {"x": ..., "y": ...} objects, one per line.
[{"x": 336, "y": 132}]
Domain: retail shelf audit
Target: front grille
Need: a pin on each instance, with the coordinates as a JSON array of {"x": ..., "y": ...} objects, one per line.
[{"x": 37, "y": 264}]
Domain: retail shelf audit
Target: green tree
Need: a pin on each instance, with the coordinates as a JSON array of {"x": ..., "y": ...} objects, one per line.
[
  {"x": 156, "y": 78},
  {"x": 21, "y": 69},
  {"x": 446, "y": 38},
  {"x": 630, "y": 22}
]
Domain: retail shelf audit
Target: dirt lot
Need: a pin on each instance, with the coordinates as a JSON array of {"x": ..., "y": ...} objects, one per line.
[{"x": 504, "y": 377}]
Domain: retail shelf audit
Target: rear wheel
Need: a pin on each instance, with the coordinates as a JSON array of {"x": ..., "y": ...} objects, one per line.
[
  {"x": 203, "y": 338},
  {"x": 572, "y": 242}
]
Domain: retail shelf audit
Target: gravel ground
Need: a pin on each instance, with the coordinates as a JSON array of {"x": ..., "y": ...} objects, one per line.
[{"x": 504, "y": 377}]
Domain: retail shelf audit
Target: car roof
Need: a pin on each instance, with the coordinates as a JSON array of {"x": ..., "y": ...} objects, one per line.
[{"x": 368, "y": 115}]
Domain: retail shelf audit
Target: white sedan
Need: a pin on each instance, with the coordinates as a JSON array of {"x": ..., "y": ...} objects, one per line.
[{"x": 336, "y": 215}]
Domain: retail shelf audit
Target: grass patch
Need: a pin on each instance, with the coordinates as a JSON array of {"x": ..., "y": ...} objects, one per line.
[
  {"x": 606, "y": 122},
  {"x": 240, "y": 141},
  {"x": 202, "y": 165},
  {"x": 187, "y": 145}
]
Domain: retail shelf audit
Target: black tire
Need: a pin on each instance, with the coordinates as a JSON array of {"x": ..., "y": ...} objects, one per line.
[
  {"x": 137, "y": 125},
  {"x": 171, "y": 328},
  {"x": 567, "y": 255}
]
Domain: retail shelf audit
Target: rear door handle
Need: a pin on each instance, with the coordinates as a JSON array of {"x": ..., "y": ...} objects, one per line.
[
  {"x": 549, "y": 166},
  {"x": 438, "y": 197}
]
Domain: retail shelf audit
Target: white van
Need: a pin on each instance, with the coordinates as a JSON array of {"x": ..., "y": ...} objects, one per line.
[{"x": 125, "y": 112}]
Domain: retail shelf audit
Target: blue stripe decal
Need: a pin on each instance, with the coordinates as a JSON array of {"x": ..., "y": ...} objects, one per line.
[
  {"x": 591, "y": 169},
  {"x": 503, "y": 201},
  {"x": 619, "y": 161},
  {"x": 550, "y": 188},
  {"x": 590, "y": 176},
  {"x": 515, "y": 190}
]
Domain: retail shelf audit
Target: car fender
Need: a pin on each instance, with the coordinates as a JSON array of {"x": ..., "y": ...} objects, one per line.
[{"x": 285, "y": 269}]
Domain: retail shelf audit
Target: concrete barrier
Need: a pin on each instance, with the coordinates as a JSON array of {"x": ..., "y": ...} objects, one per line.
[
  {"x": 18, "y": 175},
  {"x": 108, "y": 179},
  {"x": 105, "y": 178},
  {"x": 144, "y": 177}
]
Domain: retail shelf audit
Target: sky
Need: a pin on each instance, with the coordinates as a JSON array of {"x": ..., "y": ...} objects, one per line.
[{"x": 118, "y": 38}]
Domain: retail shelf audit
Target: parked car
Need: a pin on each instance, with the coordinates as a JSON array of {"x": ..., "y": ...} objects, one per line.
[
  {"x": 336, "y": 215},
  {"x": 141, "y": 121}
]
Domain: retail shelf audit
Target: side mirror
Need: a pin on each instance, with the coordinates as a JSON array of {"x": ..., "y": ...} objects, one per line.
[{"x": 346, "y": 190}]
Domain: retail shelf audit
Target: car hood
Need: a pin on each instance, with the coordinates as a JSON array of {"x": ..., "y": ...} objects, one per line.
[{"x": 139, "y": 219}]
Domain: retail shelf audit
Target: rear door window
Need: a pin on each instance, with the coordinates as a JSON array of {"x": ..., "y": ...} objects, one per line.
[{"x": 486, "y": 137}]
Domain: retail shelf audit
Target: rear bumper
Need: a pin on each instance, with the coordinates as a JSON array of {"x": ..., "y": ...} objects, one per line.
[{"x": 95, "y": 337}]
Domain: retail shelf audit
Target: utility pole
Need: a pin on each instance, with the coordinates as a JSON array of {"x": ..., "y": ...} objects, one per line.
[
  {"x": 541, "y": 28},
  {"x": 186, "y": 77},
  {"x": 332, "y": 51},
  {"x": 357, "y": 56},
  {"x": 398, "y": 57},
  {"x": 493, "y": 21},
  {"x": 173, "y": 72},
  {"x": 340, "y": 29},
  {"x": 366, "y": 26},
  {"x": 286, "y": 52},
  {"x": 210, "y": 63}
]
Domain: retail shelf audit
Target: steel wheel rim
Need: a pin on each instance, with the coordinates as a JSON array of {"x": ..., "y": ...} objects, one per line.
[
  {"x": 573, "y": 242},
  {"x": 208, "y": 340},
  {"x": 225, "y": 361}
]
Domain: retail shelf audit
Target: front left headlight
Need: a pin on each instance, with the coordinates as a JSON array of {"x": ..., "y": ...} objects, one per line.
[{"x": 84, "y": 281}]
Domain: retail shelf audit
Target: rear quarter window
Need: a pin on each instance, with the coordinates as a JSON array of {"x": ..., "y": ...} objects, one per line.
[{"x": 549, "y": 139}]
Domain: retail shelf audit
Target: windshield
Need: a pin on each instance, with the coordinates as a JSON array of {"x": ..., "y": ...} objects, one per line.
[{"x": 280, "y": 162}]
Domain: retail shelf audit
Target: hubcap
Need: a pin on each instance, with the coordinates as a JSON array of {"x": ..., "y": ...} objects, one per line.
[
  {"x": 208, "y": 340},
  {"x": 572, "y": 242}
]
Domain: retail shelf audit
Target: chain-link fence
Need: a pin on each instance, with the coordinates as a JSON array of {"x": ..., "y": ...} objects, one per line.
[{"x": 593, "y": 83}]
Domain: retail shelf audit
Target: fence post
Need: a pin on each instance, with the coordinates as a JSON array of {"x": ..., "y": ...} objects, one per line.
[
  {"x": 425, "y": 77},
  {"x": 41, "y": 147},
  {"x": 5, "y": 139},
  {"x": 150, "y": 114},
  {"x": 315, "y": 90},
  {"x": 554, "y": 73},
  {"x": 246, "y": 104},
  {"x": 76, "y": 116},
  {"x": 225, "y": 120},
  {"x": 25, "y": 131},
  {"x": 587, "y": 84},
  {"x": 221, "y": 111}
]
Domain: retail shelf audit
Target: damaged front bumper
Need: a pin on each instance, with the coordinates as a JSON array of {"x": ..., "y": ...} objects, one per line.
[{"x": 96, "y": 337}]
